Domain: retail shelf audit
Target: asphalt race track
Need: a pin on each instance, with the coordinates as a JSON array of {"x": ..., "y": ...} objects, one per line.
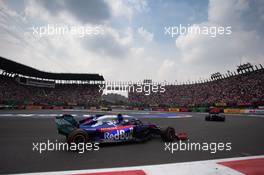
[{"x": 19, "y": 129}]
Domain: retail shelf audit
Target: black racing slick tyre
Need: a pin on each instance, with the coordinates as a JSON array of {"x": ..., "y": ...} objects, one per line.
[
  {"x": 168, "y": 134},
  {"x": 77, "y": 136}
]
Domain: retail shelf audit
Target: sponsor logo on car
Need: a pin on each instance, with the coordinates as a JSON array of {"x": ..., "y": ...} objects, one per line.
[
  {"x": 115, "y": 128},
  {"x": 122, "y": 134}
]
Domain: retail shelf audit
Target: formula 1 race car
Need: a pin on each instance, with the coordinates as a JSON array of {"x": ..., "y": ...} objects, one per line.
[
  {"x": 215, "y": 116},
  {"x": 112, "y": 128}
]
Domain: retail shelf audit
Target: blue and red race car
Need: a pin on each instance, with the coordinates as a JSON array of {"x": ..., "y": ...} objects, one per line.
[{"x": 112, "y": 128}]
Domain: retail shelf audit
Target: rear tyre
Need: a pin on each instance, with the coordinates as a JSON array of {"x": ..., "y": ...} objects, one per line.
[
  {"x": 77, "y": 136},
  {"x": 168, "y": 134}
]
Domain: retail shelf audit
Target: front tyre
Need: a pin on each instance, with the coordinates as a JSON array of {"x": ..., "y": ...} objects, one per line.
[{"x": 168, "y": 134}]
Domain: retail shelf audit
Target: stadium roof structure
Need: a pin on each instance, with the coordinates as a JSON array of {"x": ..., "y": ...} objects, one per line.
[{"x": 18, "y": 68}]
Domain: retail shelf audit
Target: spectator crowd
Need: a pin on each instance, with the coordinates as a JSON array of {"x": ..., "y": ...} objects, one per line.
[
  {"x": 63, "y": 94},
  {"x": 242, "y": 89}
]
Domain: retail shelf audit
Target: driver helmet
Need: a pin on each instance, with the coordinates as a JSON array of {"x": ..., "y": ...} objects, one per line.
[{"x": 120, "y": 117}]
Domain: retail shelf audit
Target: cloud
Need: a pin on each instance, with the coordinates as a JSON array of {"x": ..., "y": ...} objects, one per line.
[
  {"x": 126, "y": 50},
  {"x": 91, "y": 11},
  {"x": 94, "y": 54},
  {"x": 166, "y": 69},
  {"x": 111, "y": 44},
  {"x": 128, "y": 8},
  {"x": 226, "y": 13},
  {"x": 203, "y": 54},
  {"x": 147, "y": 36}
]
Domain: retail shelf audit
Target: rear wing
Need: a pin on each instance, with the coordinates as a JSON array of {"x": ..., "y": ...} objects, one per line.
[{"x": 66, "y": 124}]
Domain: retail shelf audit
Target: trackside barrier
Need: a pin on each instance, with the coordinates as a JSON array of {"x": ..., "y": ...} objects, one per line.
[
  {"x": 174, "y": 109},
  {"x": 6, "y": 107},
  {"x": 244, "y": 111},
  {"x": 234, "y": 111},
  {"x": 31, "y": 107},
  {"x": 195, "y": 110},
  {"x": 184, "y": 110},
  {"x": 199, "y": 109},
  {"x": 93, "y": 108},
  {"x": 57, "y": 107},
  {"x": 158, "y": 109},
  {"x": 254, "y": 111},
  {"x": 47, "y": 107},
  {"x": 20, "y": 107}
]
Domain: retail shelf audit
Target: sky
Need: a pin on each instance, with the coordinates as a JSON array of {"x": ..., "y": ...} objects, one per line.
[{"x": 133, "y": 44}]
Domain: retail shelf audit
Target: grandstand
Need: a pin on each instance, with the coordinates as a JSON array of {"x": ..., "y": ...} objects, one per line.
[
  {"x": 23, "y": 85},
  {"x": 244, "y": 88}
]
